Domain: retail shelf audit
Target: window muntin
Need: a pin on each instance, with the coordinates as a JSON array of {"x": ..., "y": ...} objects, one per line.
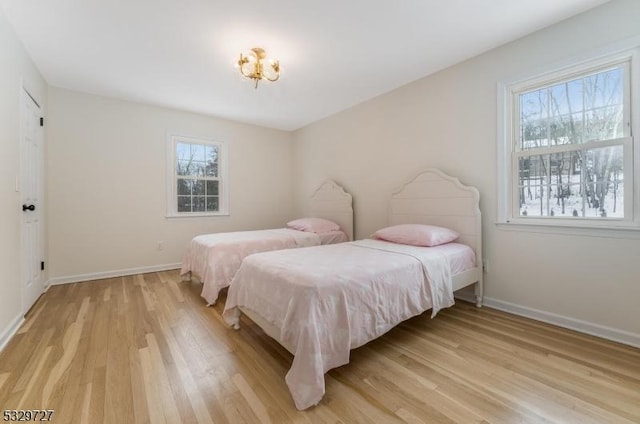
[
  {"x": 572, "y": 146},
  {"x": 197, "y": 177}
]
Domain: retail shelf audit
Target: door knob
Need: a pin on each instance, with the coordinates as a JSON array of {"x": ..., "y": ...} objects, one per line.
[{"x": 28, "y": 207}]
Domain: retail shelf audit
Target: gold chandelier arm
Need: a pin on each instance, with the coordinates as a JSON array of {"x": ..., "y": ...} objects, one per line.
[
  {"x": 276, "y": 69},
  {"x": 241, "y": 62},
  {"x": 249, "y": 75}
]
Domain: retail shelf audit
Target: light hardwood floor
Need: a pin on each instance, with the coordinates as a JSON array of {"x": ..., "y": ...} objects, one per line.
[{"x": 146, "y": 349}]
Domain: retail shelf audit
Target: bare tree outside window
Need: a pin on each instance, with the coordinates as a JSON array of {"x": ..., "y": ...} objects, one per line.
[
  {"x": 570, "y": 148},
  {"x": 197, "y": 175}
]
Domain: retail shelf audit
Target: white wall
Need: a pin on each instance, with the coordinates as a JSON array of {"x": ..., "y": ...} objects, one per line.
[
  {"x": 15, "y": 65},
  {"x": 107, "y": 183},
  {"x": 448, "y": 120}
]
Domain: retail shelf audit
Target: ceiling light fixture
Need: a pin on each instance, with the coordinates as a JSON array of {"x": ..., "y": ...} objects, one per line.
[{"x": 252, "y": 66}]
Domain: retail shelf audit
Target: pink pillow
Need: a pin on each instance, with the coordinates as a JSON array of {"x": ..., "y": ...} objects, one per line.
[
  {"x": 417, "y": 234},
  {"x": 313, "y": 225}
]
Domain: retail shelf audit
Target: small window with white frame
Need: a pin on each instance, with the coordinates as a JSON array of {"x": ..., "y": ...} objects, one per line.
[
  {"x": 197, "y": 184},
  {"x": 569, "y": 147}
]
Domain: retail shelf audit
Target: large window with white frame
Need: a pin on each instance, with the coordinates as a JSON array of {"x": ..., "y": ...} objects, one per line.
[
  {"x": 197, "y": 183},
  {"x": 569, "y": 146}
]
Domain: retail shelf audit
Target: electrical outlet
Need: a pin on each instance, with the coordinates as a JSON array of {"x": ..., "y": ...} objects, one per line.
[{"x": 160, "y": 245}]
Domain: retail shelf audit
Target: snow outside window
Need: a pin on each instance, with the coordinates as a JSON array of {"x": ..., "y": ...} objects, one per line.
[{"x": 568, "y": 147}]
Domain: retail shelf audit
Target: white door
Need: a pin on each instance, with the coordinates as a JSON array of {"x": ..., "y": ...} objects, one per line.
[{"x": 31, "y": 178}]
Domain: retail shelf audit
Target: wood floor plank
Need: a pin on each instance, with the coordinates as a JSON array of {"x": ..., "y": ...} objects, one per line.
[
  {"x": 161, "y": 380},
  {"x": 70, "y": 344},
  {"x": 28, "y": 399},
  {"x": 97, "y": 341},
  {"x": 138, "y": 391},
  {"x": 188, "y": 383},
  {"x": 145, "y": 349},
  {"x": 118, "y": 403},
  {"x": 254, "y": 402},
  {"x": 3, "y": 378},
  {"x": 152, "y": 391},
  {"x": 32, "y": 358}
]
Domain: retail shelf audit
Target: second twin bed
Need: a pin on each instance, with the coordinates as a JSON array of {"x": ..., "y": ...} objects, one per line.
[{"x": 215, "y": 258}]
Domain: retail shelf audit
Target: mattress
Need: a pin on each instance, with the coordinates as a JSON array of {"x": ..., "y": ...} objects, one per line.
[{"x": 460, "y": 256}]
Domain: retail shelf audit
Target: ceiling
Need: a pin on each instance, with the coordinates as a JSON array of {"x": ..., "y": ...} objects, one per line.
[{"x": 334, "y": 53}]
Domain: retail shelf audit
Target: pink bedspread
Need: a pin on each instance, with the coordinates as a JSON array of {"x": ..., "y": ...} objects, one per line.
[
  {"x": 215, "y": 258},
  {"x": 328, "y": 300}
]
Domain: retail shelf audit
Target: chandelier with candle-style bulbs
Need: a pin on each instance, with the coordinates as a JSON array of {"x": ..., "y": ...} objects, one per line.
[{"x": 256, "y": 66}]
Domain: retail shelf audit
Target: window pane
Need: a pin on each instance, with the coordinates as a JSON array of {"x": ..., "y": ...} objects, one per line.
[
  {"x": 198, "y": 188},
  {"x": 212, "y": 161},
  {"x": 604, "y": 182},
  {"x": 192, "y": 158},
  {"x": 184, "y": 203},
  {"x": 199, "y": 204},
  {"x": 566, "y": 201},
  {"x": 212, "y": 169},
  {"x": 560, "y": 102},
  {"x": 604, "y": 123},
  {"x": 574, "y": 111},
  {"x": 212, "y": 203},
  {"x": 533, "y": 170},
  {"x": 212, "y": 188},
  {"x": 603, "y": 89},
  {"x": 212, "y": 154},
  {"x": 581, "y": 183},
  {"x": 533, "y": 119},
  {"x": 184, "y": 187},
  {"x": 613, "y": 204},
  {"x": 183, "y": 151},
  {"x": 199, "y": 168},
  {"x": 184, "y": 167},
  {"x": 198, "y": 152},
  {"x": 561, "y": 176},
  {"x": 534, "y": 201},
  {"x": 565, "y": 100},
  {"x": 533, "y": 182}
]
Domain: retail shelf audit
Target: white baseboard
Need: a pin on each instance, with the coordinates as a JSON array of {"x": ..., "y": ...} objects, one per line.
[
  {"x": 111, "y": 274},
  {"x": 613, "y": 334},
  {"x": 10, "y": 331}
]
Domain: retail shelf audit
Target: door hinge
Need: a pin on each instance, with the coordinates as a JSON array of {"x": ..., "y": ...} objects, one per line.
[
  {"x": 42, "y": 122},
  {"x": 42, "y": 266}
]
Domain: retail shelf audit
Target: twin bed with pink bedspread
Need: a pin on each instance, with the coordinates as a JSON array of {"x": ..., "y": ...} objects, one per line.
[
  {"x": 215, "y": 258},
  {"x": 321, "y": 302}
]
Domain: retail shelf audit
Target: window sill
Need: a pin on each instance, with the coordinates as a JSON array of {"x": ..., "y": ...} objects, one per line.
[
  {"x": 197, "y": 215},
  {"x": 620, "y": 232}
]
